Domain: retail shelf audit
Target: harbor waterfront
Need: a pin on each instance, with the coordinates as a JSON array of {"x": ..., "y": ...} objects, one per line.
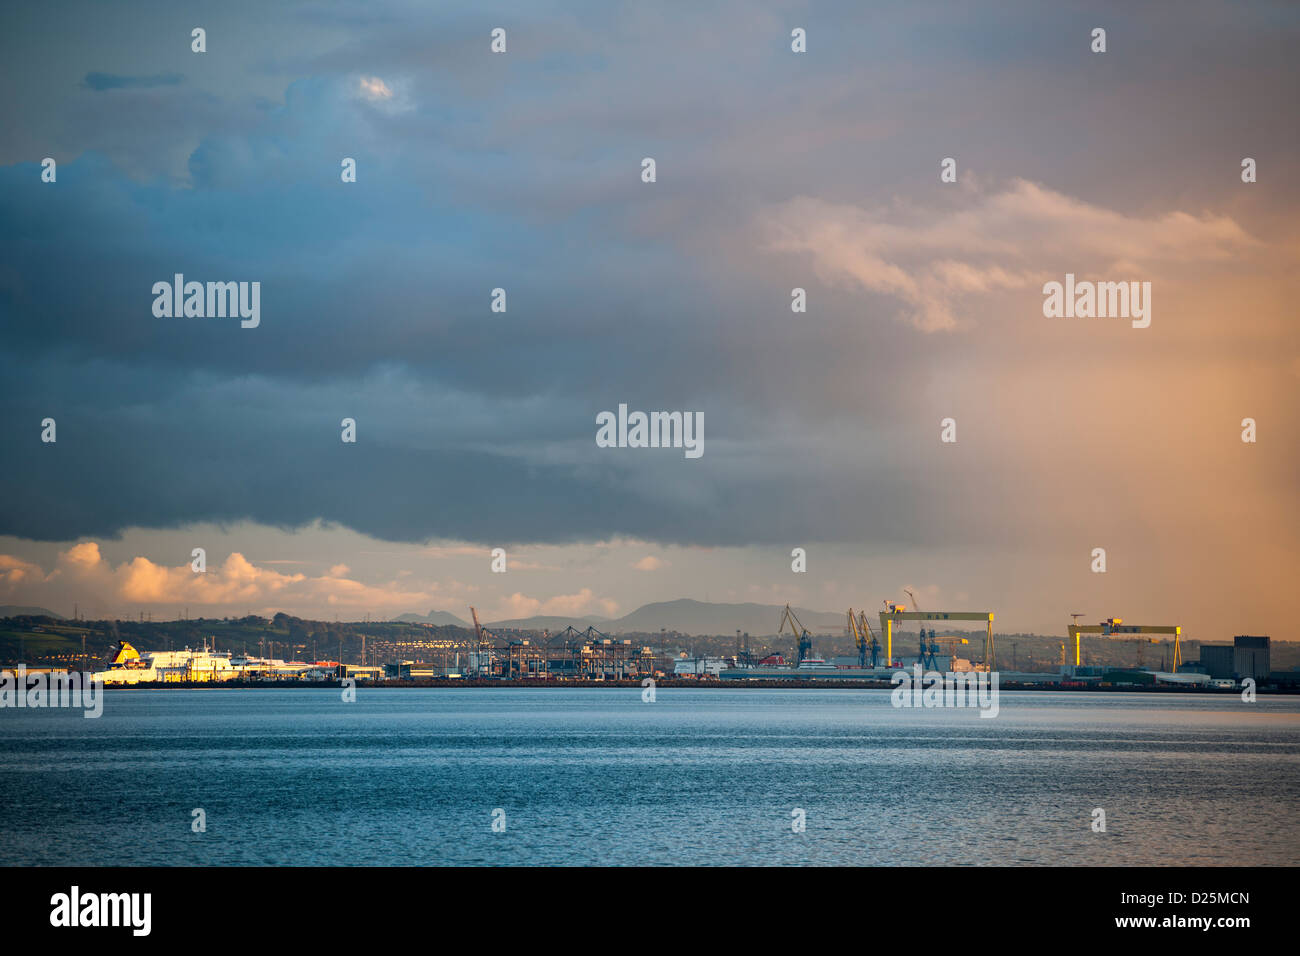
[{"x": 704, "y": 776}]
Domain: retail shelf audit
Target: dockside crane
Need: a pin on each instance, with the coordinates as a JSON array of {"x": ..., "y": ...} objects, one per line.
[
  {"x": 875, "y": 644},
  {"x": 798, "y": 630},
  {"x": 861, "y": 631},
  {"x": 926, "y": 658},
  {"x": 485, "y": 639},
  {"x": 859, "y": 639}
]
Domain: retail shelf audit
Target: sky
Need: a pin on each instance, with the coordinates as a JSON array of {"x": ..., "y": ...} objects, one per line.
[{"x": 775, "y": 170}]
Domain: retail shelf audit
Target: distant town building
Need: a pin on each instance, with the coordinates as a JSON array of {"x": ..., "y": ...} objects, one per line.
[
  {"x": 1246, "y": 656},
  {"x": 698, "y": 666},
  {"x": 417, "y": 670},
  {"x": 1217, "y": 660},
  {"x": 1250, "y": 657}
]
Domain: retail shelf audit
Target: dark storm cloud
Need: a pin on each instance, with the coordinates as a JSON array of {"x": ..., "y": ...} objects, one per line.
[{"x": 141, "y": 445}]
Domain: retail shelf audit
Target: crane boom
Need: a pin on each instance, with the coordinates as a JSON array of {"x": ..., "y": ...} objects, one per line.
[
  {"x": 485, "y": 638},
  {"x": 798, "y": 630},
  {"x": 859, "y": 640},
  {"x": 875, "y": 644}
]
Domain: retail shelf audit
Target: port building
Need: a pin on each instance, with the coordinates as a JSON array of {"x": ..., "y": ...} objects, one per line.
[
  {"x": 1250, "y": 657},
  {"x": 1247, "y": 656}
]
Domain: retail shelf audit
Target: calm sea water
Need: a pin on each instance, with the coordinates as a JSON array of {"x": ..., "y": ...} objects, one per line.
[{"x": 596, "y": 776}]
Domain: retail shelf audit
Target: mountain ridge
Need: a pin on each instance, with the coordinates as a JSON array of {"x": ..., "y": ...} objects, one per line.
[
  {"x": 683, "y": 615},
  {"x": 19, "y": 610}
]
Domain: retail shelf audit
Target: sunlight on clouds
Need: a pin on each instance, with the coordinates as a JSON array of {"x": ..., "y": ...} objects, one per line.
[
  {"x": 1012, "y": 239},
  {"x": 374, "y": 88}
]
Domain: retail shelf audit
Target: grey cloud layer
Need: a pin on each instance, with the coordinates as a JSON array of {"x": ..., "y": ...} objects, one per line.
[{"x": 521, "y": 171}]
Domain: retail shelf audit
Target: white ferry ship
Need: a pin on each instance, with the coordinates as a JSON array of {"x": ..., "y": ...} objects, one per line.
[{"x": 129, "y": 666}]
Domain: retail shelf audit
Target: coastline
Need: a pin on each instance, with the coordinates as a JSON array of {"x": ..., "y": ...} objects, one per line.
[{"x": 757, "y": 684}]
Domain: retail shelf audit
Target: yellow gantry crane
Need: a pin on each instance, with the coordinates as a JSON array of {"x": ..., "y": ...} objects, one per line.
[
  {"x": 1115, "y": 627},
  {"x": 898, "y": 612}
]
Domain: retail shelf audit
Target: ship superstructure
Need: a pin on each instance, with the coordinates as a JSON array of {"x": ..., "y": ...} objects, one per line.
[{"x": 129, "y": 666}]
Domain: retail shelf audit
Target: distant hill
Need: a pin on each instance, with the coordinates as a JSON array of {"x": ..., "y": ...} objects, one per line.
[
  {"x": 701, "y": 618},
  {"x": 697, "y": 618},
  {"x": 684, "y": 616},
  {"x": 550, "y": 623},
  {"x": 14, "y": 610},
  {"x": 435, "y": 617}
]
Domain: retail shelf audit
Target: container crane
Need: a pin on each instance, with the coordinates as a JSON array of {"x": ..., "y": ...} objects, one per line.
[{"x": 799, "y": 631}]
